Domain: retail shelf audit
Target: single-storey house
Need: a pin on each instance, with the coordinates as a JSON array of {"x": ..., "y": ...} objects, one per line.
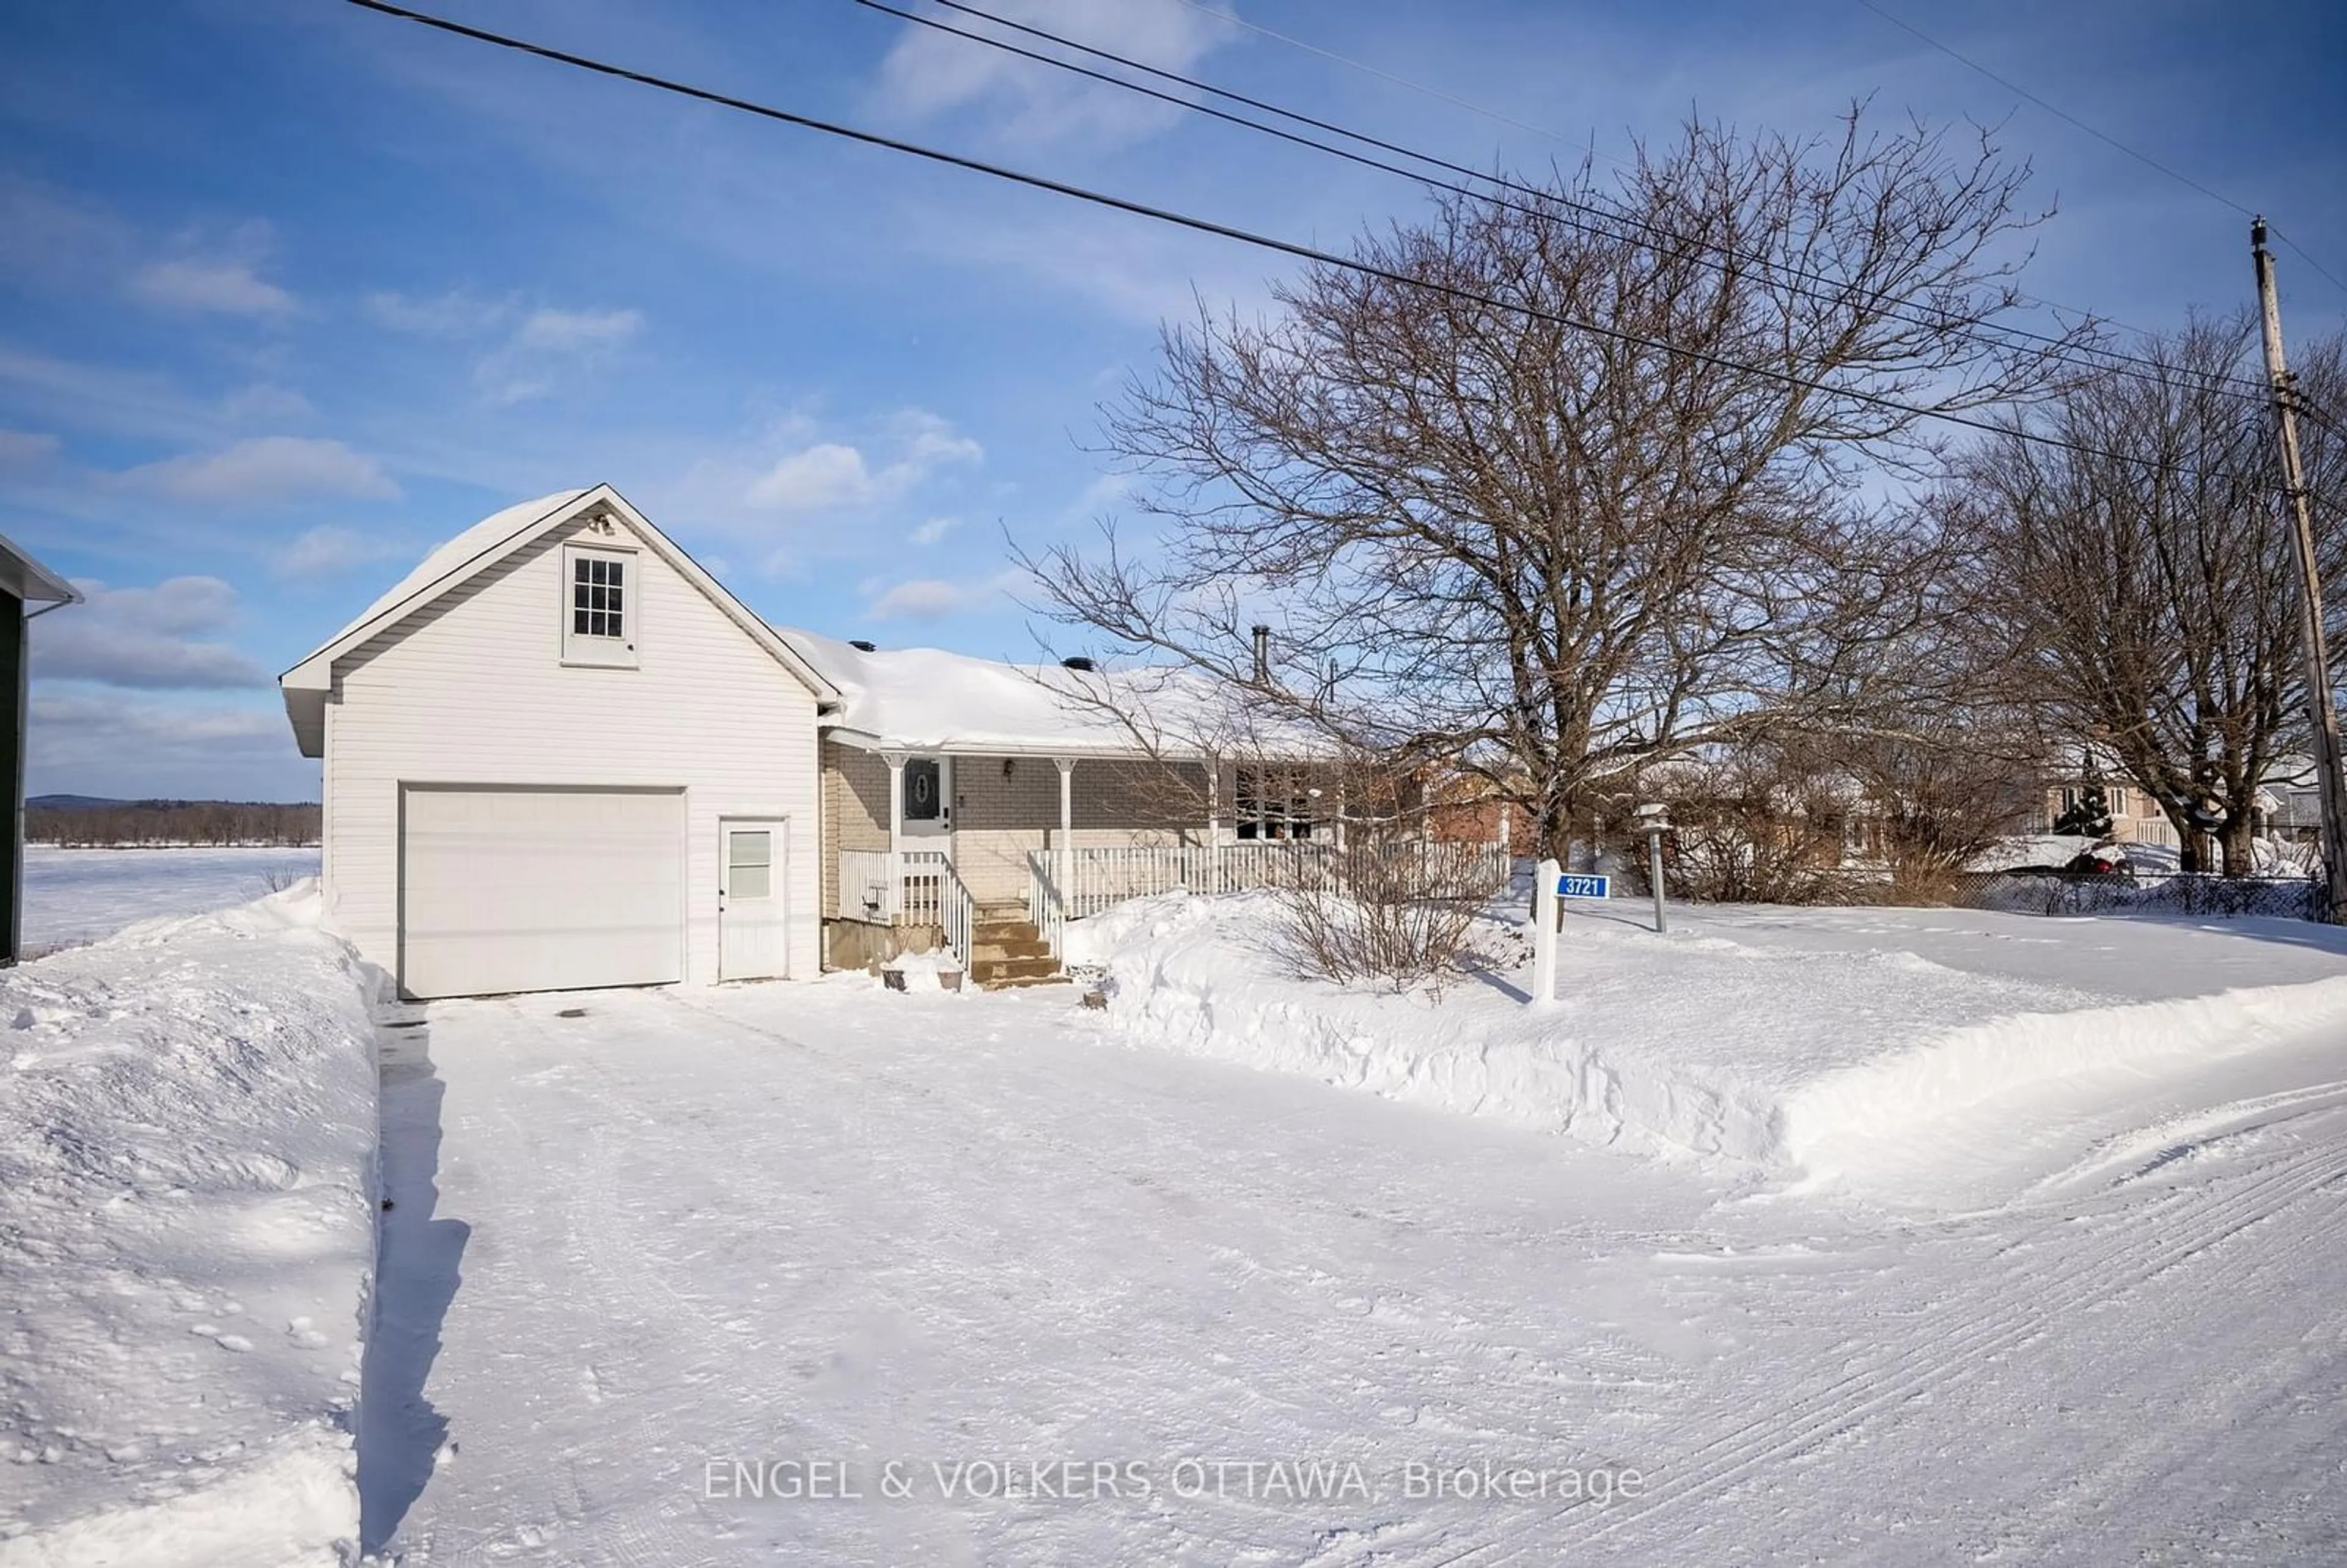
[{"x": 560, "y": 753}]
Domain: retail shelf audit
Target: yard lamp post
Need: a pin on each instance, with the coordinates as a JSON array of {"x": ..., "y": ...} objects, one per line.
[{"x": 1653, "y": 822}]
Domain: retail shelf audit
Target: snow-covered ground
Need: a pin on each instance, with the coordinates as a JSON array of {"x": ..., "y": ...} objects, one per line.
[
  {"x": 1876, "y": 1237},
  {"x": 186, "y": 1148},
  {"x": 76, "y": 895},
  {"x": 1851, "y": 1047}
]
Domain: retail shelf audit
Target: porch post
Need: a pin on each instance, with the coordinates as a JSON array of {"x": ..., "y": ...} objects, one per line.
[
  {"x": 1067, "y": 856},
  {"x": 1213, "y": 800},
  {"x": 895, "y": 760}
]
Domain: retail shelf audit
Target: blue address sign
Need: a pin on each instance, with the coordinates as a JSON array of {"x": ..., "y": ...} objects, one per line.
[{"x": 1572, "y": 887}]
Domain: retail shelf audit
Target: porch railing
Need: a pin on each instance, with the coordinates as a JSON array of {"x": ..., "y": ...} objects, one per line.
[
  {"x": 1099, "y": 878},
  {"x": 925, "y": 890},
  {"x": 1046, "y": 909}
]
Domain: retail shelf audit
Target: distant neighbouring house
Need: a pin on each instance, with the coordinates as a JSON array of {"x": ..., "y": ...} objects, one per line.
[
  {"x": 23, "y": 581},
  {"x": 559, "y": 754},
  {"x": 2284, "y": 807},
  {"x": 2136, "y": 817}
]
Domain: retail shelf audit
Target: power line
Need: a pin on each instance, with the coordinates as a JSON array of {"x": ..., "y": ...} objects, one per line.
[
  {"x": 2034, "y": 301},
  {"x": 1222, "y": 231},
  {"x": 2060, "y": 349},
  {"x": 1346, "y": 60},
  {"x": 2009, "y": 84}
]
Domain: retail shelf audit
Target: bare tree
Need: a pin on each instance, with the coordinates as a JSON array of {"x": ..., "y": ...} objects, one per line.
[
  {"x": 1755, "y": 821},
  {"x": 2138, "y": 579},
  {"x": 1552, "y": 499}
]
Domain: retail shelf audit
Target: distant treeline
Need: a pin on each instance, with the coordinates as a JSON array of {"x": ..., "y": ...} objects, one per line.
[{"x": 132, "y": 824}]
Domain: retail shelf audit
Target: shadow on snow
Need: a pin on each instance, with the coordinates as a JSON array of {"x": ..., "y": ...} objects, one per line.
[{"x": 400, "y": 1434}]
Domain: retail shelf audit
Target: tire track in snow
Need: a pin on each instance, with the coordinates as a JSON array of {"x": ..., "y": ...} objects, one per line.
[
  {"x": 1521, "y": 1383},
  {"x": 2017, "y": 1313}
]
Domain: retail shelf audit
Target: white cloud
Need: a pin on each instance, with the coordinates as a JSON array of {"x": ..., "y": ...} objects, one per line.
[
  {"x": 80, "y": 394},
  {"x": 550, "y": 344},
  {"x": 456, "y": 314},
  {"x": 330, "y": 549},
  {"x": 223, "y": 277},
  {"x": 824, "y": 476},
  {"x": 1144, "y": 274},
  {"x": 263, "y": 403},
  {"x": 934, "y": 599},
  {"x": 833, "y": 475},
  {"x": 930, "y": 442},
  {"x": 25, "y": 449},
  {"x": 266, "y": 468},
  {"x": 933, "y": 530},
  {"x": 58, "y": 238},
  {"x": 230, "y": 288},
  {"x": 155, "y": 639},
  {"x": 101, "y": 743},
  {"x": 569, "y": 331},
  {"x": 929, "y": 73}
]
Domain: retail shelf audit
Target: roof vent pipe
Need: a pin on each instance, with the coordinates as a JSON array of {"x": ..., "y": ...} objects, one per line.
[
  {"x": 861, "y": 646},
  {"x": 1078, "y": 661},
  {"x": 1261, "y": 654}
]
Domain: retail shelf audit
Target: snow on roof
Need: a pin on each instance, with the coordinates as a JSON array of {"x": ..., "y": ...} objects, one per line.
[
  {"x": 926, "y": 699},
  {"x": 448, "y": 556}
]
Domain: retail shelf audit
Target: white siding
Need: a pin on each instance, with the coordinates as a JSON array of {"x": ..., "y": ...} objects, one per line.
[{"x": 472, "y": 691}]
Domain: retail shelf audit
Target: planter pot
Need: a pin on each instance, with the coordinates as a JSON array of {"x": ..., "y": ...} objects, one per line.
[{"x": 947, "y": 979}]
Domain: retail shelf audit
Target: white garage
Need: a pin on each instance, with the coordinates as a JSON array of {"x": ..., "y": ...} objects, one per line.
[
  {"x": 519, "y": 889},
  {"x": 559, "y": 754}
]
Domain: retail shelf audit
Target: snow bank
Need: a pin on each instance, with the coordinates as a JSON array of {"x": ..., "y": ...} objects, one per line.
[
  {"x": 1851, "y": 1123},
  {"x": 1805, "y": 1044},
  {"x": 1204, "y": 976},
  {"x": 187, "y": 1135}
]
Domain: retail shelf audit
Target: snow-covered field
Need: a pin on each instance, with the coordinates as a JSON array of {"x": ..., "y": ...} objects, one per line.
[
  {"x": 76, "y": 895},
  {"x": 1874, "y": 1237},
  {"x": 187, "y": 1148}
]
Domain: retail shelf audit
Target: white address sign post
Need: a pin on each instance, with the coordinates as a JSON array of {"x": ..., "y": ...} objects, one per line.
[{"x": 1553, "y": 883}]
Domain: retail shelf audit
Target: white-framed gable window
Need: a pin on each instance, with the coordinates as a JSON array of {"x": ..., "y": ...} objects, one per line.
[{"x": 600, "y": 604}]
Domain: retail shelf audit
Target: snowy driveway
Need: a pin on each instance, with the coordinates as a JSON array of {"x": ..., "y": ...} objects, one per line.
[{"x": 824, "y": 1223}]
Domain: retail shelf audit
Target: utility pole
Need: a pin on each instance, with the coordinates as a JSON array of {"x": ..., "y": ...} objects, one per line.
[{"x": 2321, "y": 716}]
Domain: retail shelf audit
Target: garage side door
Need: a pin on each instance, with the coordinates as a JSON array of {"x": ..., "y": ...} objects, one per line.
[{"x": 539, "y": 890}]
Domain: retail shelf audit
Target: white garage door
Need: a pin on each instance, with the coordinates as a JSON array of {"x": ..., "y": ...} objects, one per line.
[{"x": 539, "y": 890}]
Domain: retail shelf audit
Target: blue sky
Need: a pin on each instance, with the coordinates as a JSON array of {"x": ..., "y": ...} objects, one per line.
[{"x": 290, "y": 290}]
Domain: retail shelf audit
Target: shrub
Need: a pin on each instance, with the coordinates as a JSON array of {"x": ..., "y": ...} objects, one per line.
[{"x": 1398, "y": 915}]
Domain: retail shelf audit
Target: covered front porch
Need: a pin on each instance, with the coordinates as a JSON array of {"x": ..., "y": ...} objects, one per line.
[{"x": 930, "y": 846}]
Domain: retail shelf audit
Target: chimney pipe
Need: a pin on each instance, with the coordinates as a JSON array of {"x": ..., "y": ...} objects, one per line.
[{"x": 1261, "y": 654}]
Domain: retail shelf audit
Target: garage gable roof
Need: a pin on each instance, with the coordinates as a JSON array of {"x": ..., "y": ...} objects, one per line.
[{"x": 493, "y": 540}]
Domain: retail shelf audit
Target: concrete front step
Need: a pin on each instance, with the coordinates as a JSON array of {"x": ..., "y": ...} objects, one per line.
[
  {"x": 1023, "y": 982},
  {"x": 1005, "y": 950},
  {"x": 982, "y": 948},
  {"x": 984, "y": 929},
  {"x": 986, "y": 971}
]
